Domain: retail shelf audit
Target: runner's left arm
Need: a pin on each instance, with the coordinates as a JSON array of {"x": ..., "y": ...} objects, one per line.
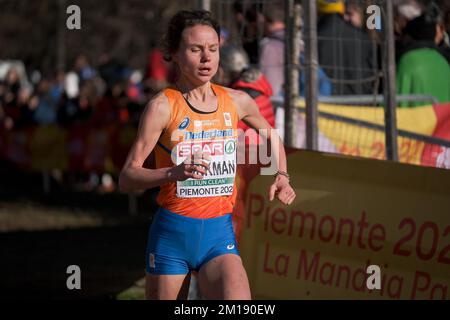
[{"x": 249, "y": 113}]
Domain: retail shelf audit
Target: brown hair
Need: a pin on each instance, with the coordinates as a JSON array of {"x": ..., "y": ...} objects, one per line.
[{"x": 182, "y": 20}]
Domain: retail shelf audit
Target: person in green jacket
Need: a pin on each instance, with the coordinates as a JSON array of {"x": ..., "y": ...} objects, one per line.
[{"x": 422, "y": 69}]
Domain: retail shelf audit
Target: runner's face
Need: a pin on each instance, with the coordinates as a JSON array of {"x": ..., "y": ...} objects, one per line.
[{"x": 198, "y": 55}]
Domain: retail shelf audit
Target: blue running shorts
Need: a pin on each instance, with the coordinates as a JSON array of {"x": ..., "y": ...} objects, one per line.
[{"x": 178, "y": 244}]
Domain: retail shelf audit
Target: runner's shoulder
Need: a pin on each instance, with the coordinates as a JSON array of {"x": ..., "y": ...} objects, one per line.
[
  {"x": 238, "y": 96},
  {"x": 159, "y": 100},
  {"x": 158, "y": 109}
]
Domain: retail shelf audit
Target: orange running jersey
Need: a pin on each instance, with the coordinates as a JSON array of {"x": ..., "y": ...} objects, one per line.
[{"x": 190, "y": 131}]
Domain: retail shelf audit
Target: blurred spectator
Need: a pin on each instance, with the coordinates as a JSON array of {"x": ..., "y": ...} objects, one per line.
[
  {"x": 324, "y": 83},
  {"x": 46, "y": 108},
  {"x": 256, "y": 85},
  {"x": 354, "y": 13},
  {"x": 57, "y": 86},
  {"x": 9, "y": 98},
  {"x": 86, "y": 102},
  {"x": 27, "y": 106},
  {"x": 224, "y": 36},
  {"x": 233, "y": 60},
  {"x": 235, "y": 65},
  {"x": 271, "y": 59},
  {"x": 346, "y": 53},
  {"x": 443, "y": 30},
  {"x": 356, "y": 16},
  {"x": 446, "y": 18},
  {"x": 12, "y": 86},
  {"x": 110, "y": 70},
  {"x": 405, "y": 10},
  {"x": 68, "y": 106},
  {"x": 135, "y": 95},
  {"x": 134, "y": 89},
  {"x": 249, "y": 24},
  {"x": 422, "y": 69},
  {"x": 83, "y": 68},
  {"x": 272, "y": 55},
  {"x": 72, "y": 85},
  {"x": 112, "y": 107},
  {"x": 158, "y": 73}
]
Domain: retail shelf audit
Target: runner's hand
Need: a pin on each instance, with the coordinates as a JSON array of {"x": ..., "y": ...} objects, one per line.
[
  {"x": 282, "y": 189},
  {"x": 194, "y": 167}
]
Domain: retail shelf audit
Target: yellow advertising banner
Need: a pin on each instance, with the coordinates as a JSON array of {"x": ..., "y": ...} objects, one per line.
[
  {"x": 349, "y": 214},
  {"x": 356, "y": 140}
]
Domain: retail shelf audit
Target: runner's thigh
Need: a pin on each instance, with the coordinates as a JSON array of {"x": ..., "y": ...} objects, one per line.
[
  {"x": 224, "y": 278},
  {"x": 167, "y": 287}
]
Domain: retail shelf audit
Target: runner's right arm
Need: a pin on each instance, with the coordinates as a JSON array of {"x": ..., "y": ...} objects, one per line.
[{"x": 133, "y": 176}]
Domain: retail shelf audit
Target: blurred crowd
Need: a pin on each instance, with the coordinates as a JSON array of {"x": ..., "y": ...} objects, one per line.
[
  {"x": 349, "y": 64},
  {"x": 105, "y": 93},
  {"x": 350, "y": 54},
  {"x": 109, "y": 93}
]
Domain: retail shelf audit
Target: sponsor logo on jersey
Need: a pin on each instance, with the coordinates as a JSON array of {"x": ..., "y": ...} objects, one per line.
[
  {"x": 213, "y": 148},
  {"x": 206, "y": 123},
  {"x": 208, "y": 134},
  {"x": 227, "y": 118},
  {"x": 230, "y": 146},
  {"x": 184, "y": 124}
]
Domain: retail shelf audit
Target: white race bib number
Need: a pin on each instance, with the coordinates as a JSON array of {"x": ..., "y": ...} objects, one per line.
[{"x": 219, "y": 179}]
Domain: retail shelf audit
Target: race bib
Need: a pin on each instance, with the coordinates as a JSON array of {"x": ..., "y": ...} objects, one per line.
[{"x": 219, "y": 179}]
